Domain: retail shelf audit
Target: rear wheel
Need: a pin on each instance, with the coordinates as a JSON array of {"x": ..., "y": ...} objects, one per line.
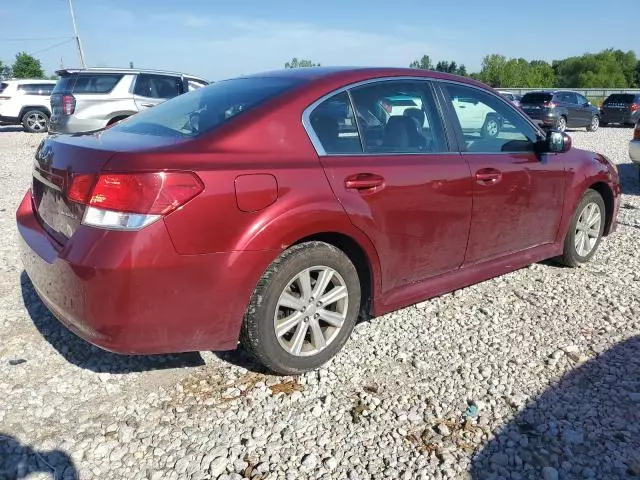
[
  {"x": 491, "y": 127},
  {"x": 585, "y": 231},
  {"x": 562, "y": 124},
  {"x": 594, "y": 124},
  {"x": 303, "y": 309},
  {"x": 35, "y": 121}
]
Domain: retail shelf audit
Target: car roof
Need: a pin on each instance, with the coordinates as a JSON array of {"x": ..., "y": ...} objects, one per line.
[
  {"x": 355, "y": 74},
  {"x": 28, "y": 80},
  {"x": 129, "y": 71}
]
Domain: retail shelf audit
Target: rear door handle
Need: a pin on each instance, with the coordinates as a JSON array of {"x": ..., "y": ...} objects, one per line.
[
  {"x": 364, "y": 182},
  {"x": 488, "y": 176}
]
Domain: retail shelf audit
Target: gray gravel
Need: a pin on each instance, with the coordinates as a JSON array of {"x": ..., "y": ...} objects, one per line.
[{"x": 532, "y": 375}]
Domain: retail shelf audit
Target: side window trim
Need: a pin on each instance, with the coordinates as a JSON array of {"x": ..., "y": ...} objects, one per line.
[
  {"x": 320, "y": 151},
  {"x": 452, "y": 118}
]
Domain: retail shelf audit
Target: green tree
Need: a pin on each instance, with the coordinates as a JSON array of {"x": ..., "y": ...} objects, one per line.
[
  {"x": 492, "y": 70},
  {"x": 27, "y": 66},
  {"x": 594, "y": 70},
  {"x": 541, "y": 75},
  {"x": 295, "y": 63},
  {"x": 423, "y": 64}
]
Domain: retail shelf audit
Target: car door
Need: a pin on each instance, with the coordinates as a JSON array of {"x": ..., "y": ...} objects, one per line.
[
  {"x": 152, "y": 89},
  {"x": 584, "y": 110},
  {"x": 399, "y": 182},
  {"x": 574, "y": 118},
  {"x": 517, "y": 195}
]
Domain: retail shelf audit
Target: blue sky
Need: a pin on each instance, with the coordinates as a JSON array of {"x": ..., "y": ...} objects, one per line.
[{"x": 220, "y": 39}]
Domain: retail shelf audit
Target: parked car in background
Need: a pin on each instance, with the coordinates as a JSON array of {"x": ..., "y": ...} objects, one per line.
[
  {"x": 621, "y": 108},
  {"x": 512, "y": 97},
  {"x": 561, "y": 110},
  {"x": 634, "y": 146},
  {"x": 90, "y": 99},
  {"x": 242, "y": 210},
  {"x": 26, "y": 103}
]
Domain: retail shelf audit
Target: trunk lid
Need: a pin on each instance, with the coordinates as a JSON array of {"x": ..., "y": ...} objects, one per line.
[{"x": 60, "y": 158}]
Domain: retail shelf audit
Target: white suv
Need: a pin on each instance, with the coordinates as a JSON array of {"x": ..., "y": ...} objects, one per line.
[
  {"x": 93, "y": 98},
  {"x": 26, "y": 102}
]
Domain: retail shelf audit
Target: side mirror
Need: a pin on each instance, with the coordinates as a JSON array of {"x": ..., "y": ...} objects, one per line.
[{"x": 557, "y": 142}]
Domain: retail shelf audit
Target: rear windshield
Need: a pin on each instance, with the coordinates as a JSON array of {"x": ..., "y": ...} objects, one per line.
[
  {"x": 202, "y": 110},
  {"x": 87, "y": 83},
  {"x": 536, "y": 97},
  {"x": 3, "y": 86},
  {"x": 620, "y": 98}
]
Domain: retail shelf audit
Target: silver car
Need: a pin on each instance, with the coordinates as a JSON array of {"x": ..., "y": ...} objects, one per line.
[{"x": 90, "y": 99}]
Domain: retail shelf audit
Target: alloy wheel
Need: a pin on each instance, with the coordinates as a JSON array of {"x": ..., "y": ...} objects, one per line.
[
  {"x": 588, "y": 229},
  {"x": 311, "y": 311},
  {"x": 37, "y": 122}
]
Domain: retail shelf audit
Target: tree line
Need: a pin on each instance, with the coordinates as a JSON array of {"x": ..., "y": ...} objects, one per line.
[
  {"x": 24, "y": 66},
  {"x": 607, "y": 69}
]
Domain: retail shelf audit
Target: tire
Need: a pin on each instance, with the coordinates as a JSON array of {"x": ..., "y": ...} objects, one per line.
[
  {"x": 281, "y": 353},
  {"x": 35, "y": 121},
  {"x": 491, "y": 127},
  {"x": 572, "y": 255},
  {"x": 116, "y": 120},
  {"x": 561, "y": 125},
  {"x": 594, "y": 124}
]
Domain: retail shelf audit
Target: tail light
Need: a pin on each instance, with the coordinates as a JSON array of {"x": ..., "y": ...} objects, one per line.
[
  {"x": 551, "y": 104},
  {"x": 68, "y": 104},
  {"x": 635, "y": 107},
  {"x": 124, "y": 201}
]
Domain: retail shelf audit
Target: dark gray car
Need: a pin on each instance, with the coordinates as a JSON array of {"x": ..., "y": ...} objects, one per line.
[
  {"x": 621, "y": 108},
  {"x": 561, "y": 110}
]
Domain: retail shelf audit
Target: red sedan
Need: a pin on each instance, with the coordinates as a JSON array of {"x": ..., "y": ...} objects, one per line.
[{"x": 278, "y": 208}]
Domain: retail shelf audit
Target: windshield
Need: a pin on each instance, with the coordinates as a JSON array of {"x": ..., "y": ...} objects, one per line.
[{"x": 202, "y": 110}]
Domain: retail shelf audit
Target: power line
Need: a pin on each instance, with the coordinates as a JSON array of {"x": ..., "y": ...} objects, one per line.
[
  {"x": 53, "y": 46},
  {"x": 34, "y": 39}
]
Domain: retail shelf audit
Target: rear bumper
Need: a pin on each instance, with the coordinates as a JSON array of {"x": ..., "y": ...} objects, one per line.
[
  {"x": 626, "y": 118},
  {"x": 130, "y": 292},
  {"x": 72, "y": 124},
  {"x": 634, "y": 151}
]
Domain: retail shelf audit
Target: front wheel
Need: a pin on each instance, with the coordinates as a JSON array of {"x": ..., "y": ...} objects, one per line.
[
  {"x": 303, "y": 309},
  {"x": 35, "y": 121},
  {"x": 594, "y": 124},
  {"x": 585, "y": 231}
]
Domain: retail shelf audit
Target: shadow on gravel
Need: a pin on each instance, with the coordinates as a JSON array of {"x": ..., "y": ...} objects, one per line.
[
  {"x": 629, "y": 178},
  {"x": 585, "y": 426},
  {"x": 21, "y": 461},
  {"x": 11, "y": 128},
  {"x": 78, "y": 352}
]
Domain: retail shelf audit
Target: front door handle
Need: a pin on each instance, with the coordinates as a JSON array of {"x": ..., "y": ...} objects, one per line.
[
  {"x": 364, "y": 182},
  {"x": 488, "y": 176}
]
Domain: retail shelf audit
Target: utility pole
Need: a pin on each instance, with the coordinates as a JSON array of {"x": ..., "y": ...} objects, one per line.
[{"x": 75, "y": 32}]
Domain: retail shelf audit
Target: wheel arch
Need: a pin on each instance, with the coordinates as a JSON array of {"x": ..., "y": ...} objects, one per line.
[
  {"x": 360, "y": 260},
  {"x": 607, "y": 195},
  {"x": 27, "y": 108}
]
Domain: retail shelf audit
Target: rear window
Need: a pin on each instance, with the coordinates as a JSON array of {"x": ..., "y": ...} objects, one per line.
[
  {"x": 620, "y": 98},
  {"x": 536, "y": 97},
  {"x": 87, "y": 83},
  {"x": 202, "y": 110},
  {"x": 3, "y": 86}
]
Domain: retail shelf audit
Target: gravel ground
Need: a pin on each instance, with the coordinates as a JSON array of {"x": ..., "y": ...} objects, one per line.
[{"x": 532, "y": 375}]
